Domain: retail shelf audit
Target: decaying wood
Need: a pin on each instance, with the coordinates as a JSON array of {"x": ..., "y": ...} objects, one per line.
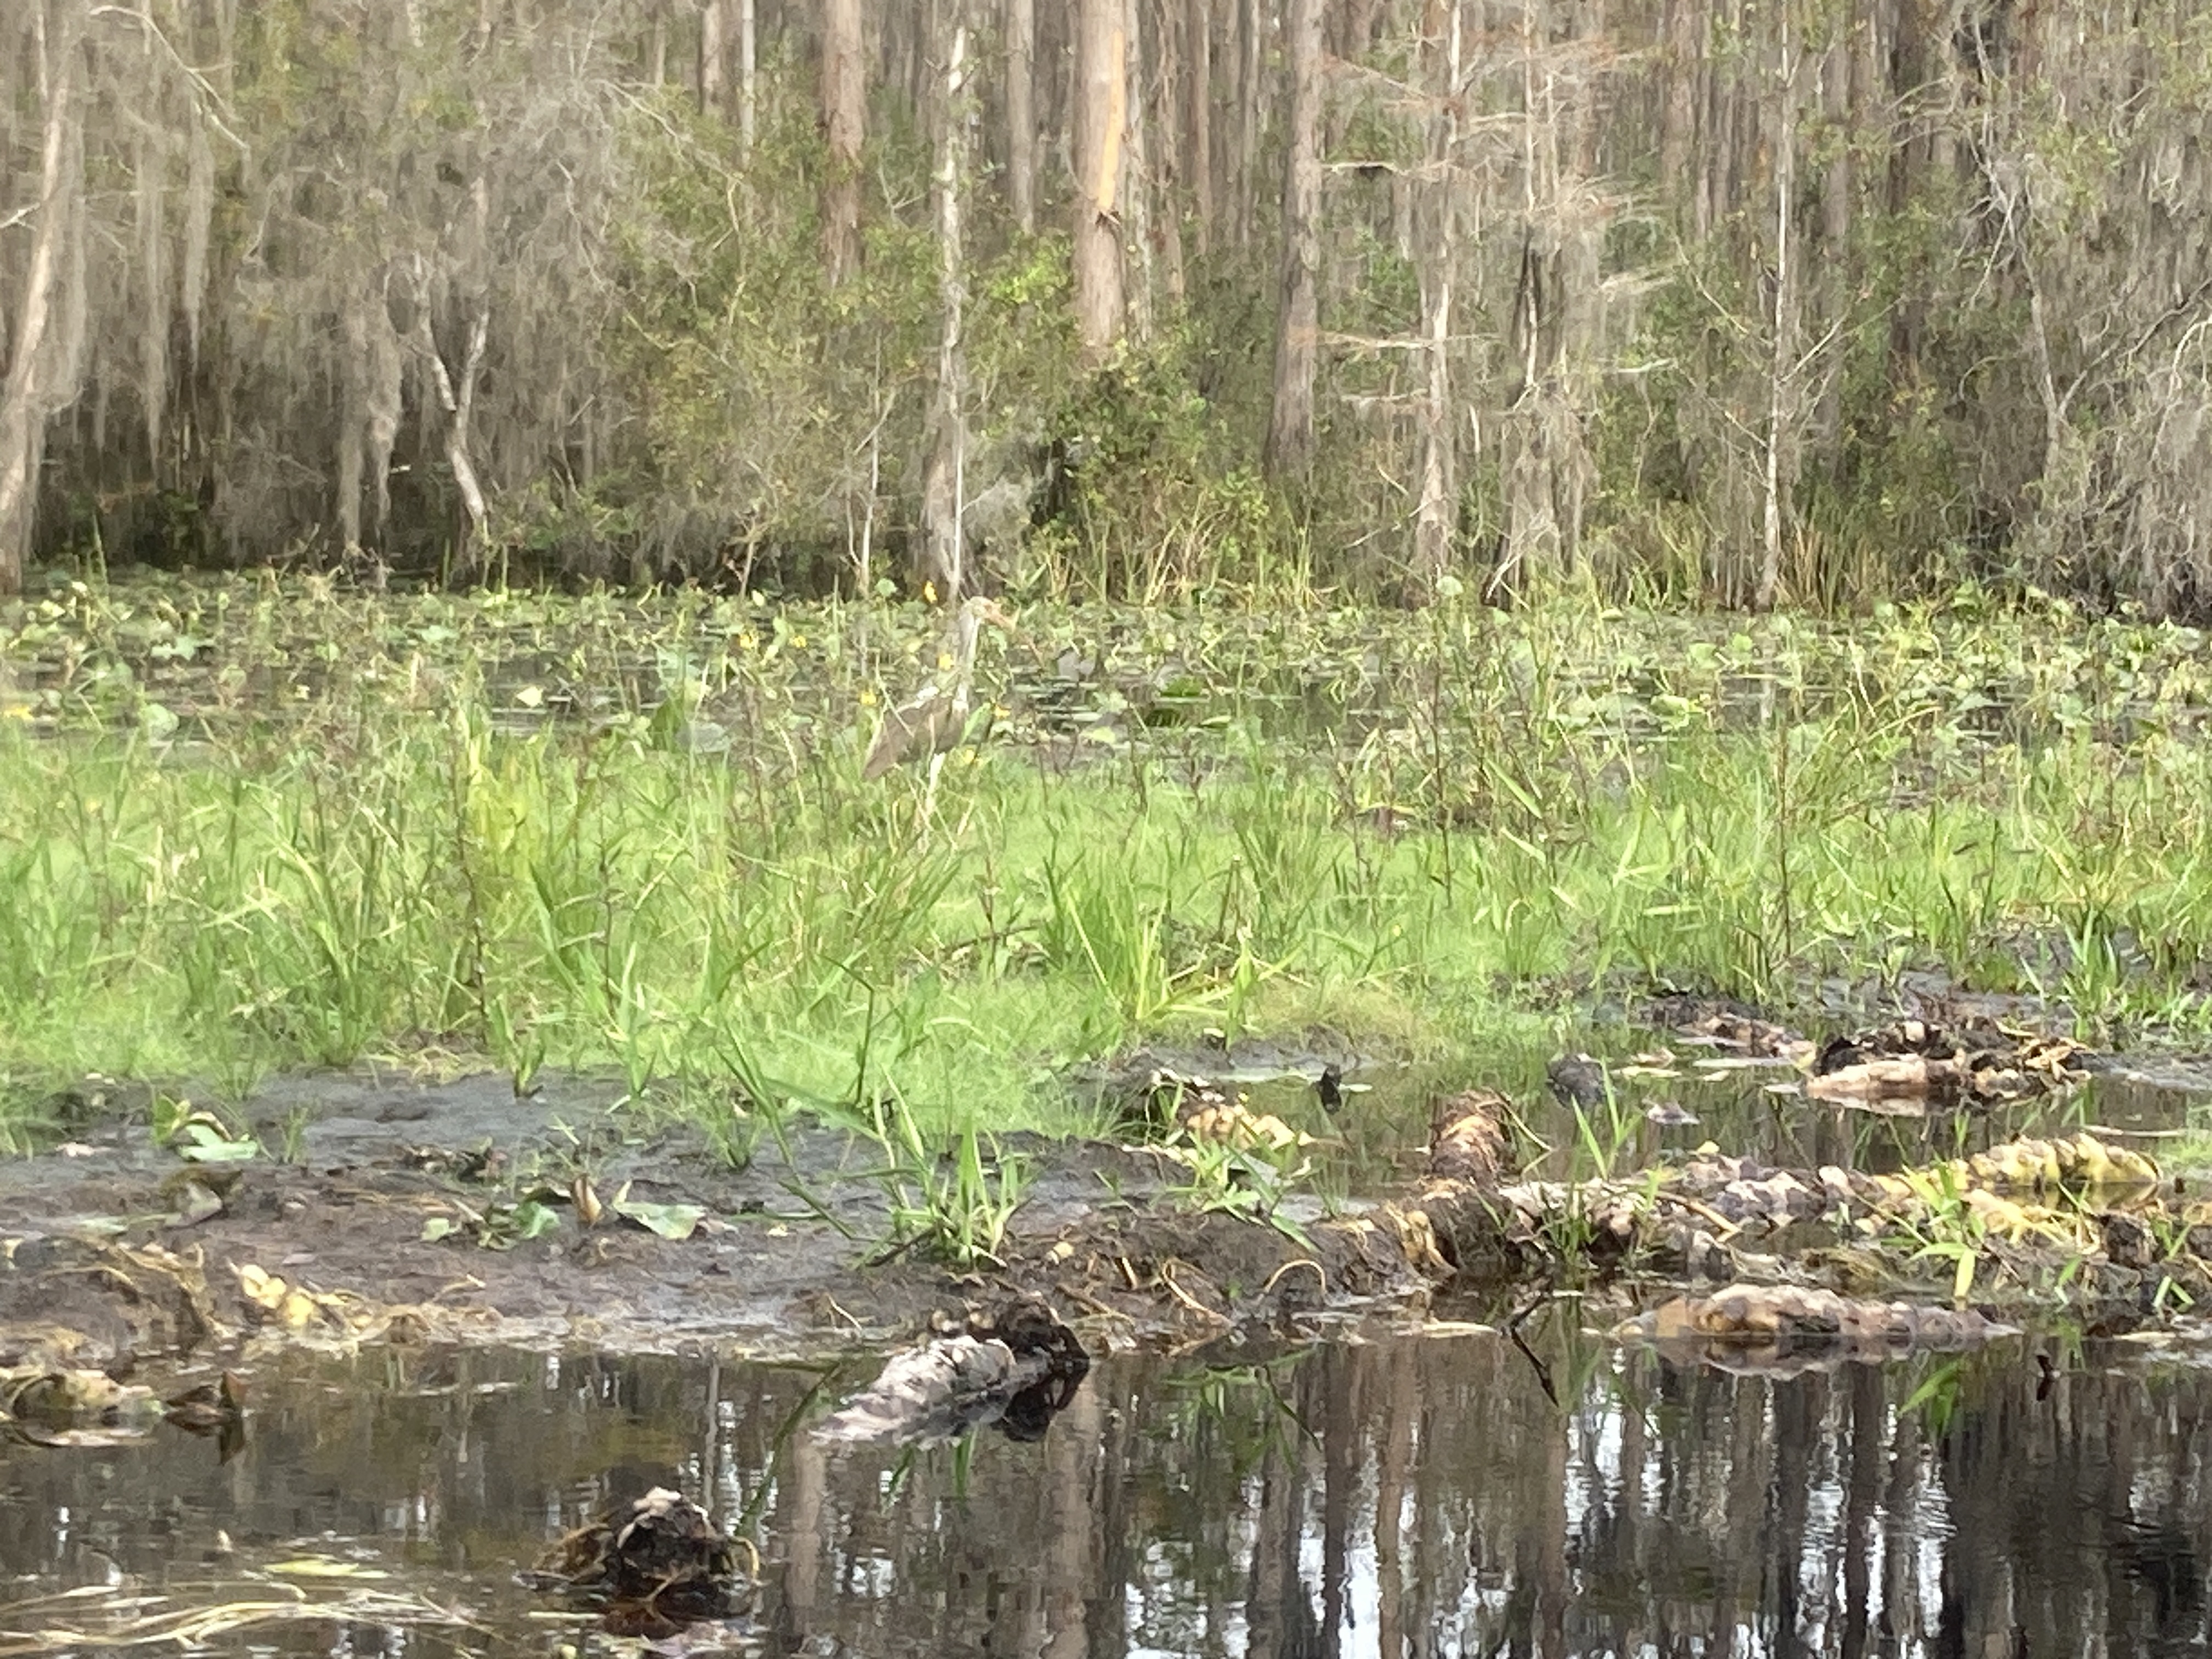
[
  {"x": 661, "y": 1546},
  {"x": 1786, "y": 1316},
  {"x": 1908, "y": 1075},
  {"x": 966, "y": 1378},
  {"x": 1466, "y": 1141}
]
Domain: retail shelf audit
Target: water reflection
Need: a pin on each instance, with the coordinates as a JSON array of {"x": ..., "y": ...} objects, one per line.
[{"x": 1400, "y": 1496}]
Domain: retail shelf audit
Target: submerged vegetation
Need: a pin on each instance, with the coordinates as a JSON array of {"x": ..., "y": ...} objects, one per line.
[{"x": 246, "y": 826}]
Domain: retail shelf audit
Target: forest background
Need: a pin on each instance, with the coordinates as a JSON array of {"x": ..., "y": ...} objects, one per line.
[{"x": 1738, "y": 301}]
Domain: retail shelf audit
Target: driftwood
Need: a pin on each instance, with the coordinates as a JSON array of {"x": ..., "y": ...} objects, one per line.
[
  {"x": 660, "y": 1547},
  {"x": 1724, "y": 1023},
  {"x": 1780, "y": 1330},
  {"x": 1903, "y": 1077},
  {"x": 1015, "y": 1370},
  {"x": 2026, "y": 1211},
  {"x": 1977, "y": 1064},
  {"x": 1465, "y": 1141},
  {"x": 1785, "y": 1315}
]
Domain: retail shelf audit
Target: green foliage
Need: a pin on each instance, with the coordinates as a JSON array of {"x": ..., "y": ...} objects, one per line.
[
  {"x": 958, "y": 1215},
  {"x": 1161, "y": 502},
  {"x": 1434, "y": 829}
]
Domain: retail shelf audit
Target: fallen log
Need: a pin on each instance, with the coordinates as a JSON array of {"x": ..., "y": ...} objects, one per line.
[{"x": 1016, "y": 1370}]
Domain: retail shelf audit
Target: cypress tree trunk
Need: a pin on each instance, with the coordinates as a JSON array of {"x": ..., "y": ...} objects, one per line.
[
  {"x": 34, "y": 386},
  {"x": 1198, "y": 66},
  {"x": 747, "y": 75},
  {"x": 1021, "y": 116},
  {"x": 944, "y": 484},
  {"x": 1102, "y": 90},
  {"x": 1298, "y": 308},
  {"x": 713, "y": 56},
  {"x": 1779, "y": 469},
  {"x": 844, "y": 116},
  {"x": 1437, "y": 511}
]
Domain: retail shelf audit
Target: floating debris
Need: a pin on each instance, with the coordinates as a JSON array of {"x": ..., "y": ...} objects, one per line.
[
  {"x": 77, "y": 1407},
  {"x": 1466, "y": 1142},
  {"x": 655, "y": 1563},
  {"x": 1975, "y": 1065},
  {"x": 217, "y": 1407},
  {"x": 1578, "y": 1081},
  {"x": 1724, "y": 1022},
  {"x": 1789, "y": 1318},
  {"x": 1017, "y": 1368},
  {"x": 2042, "y": 1212},
  {"x": 1233, "y": 1124}
]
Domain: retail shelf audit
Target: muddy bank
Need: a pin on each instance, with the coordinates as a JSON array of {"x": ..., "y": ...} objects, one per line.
[
  {"x": 372, "y": 1209},
  {"x": 415, "y": 1213}
]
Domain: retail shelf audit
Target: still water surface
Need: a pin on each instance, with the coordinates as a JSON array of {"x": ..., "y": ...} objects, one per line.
[{"x": 1402, "y": 1495}]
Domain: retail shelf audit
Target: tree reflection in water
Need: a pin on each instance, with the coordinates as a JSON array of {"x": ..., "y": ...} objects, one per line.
[{"x": 1404, "y": 1496}]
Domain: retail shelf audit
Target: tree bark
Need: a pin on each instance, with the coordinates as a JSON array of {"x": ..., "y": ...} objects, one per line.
[
  {"x": 1102, "y": 91},
  {"x": 1782, "y": 366},
  {"x": 944, "y": 484},
  {"x": 1137, "y": 192},
  {"x": 32, "y": 389},
  {"x": 1837, "y": 107},
  {"x": 1250, "y": 96},
  {"x": 458, "y": 398},
  {"x": 1678, "y": 80},
  {"x": 1198, "y": 70},
  {"x": 1289, "y": 454},
  {"x": 1436, "y": 516},
  {"x": 844, "y": 116},
  {"x": 1021, "y": 112},
  {"x": 747, "y": 75},
  {"x": 714, "y": 33}
]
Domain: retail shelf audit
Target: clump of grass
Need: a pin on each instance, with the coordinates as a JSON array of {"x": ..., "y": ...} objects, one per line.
[
  {"x": 1432, "y": 828},
  {"x": 959, "y": 1215}
]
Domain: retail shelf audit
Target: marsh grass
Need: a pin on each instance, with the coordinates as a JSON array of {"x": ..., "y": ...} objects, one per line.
[{"x": 362, "y": 835}]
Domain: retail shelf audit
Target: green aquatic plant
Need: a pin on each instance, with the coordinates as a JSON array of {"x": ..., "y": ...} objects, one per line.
[
  {"x": 468, "y": 830},
  {"x": 959, "y": 1214},
  {"x": 1947, "y": 1228},
  {"x": 1253, "y": 1182}
]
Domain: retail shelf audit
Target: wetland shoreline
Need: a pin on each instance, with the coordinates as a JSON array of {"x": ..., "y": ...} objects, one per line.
[{"x": 689, "y": 1032}]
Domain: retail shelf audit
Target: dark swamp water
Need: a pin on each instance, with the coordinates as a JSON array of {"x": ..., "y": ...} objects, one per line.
[{"x": 1399, "y": 1495}]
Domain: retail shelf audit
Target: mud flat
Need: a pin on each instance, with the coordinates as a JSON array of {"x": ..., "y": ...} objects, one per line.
[{"x": 413, "y": 1212}]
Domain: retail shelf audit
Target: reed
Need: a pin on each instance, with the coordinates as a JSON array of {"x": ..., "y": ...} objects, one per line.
[{"x": 1470, "y": 825}]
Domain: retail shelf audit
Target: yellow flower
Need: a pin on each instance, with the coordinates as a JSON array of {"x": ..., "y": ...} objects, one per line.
[{"x": 929, "y": 593}]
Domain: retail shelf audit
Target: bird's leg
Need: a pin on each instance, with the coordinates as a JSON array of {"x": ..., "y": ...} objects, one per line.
[{"x": 929, "y": 794}]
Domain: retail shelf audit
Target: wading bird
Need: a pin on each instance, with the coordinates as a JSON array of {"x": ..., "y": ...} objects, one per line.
[{"x": 935, "y": 719}]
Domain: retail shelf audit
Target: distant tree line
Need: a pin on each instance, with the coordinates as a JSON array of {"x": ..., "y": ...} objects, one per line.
[{"x": 1740, "y": 300}]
